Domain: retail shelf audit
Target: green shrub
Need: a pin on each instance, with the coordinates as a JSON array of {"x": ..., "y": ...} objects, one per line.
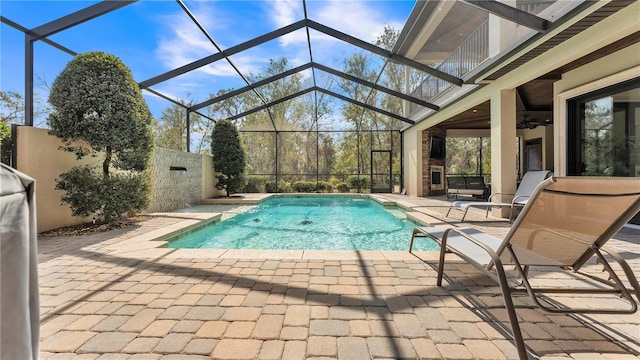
[
  {"x": 343, "y": 187},
  {"x": 283, "y": 187},
  {"x": 255, "y": 184},
  {"x": 270, "y": 187},
  {"x": 90, "y": 194},
  {"x": 304, "y": 186},
  {"x": 228, "y": 157},
  {"x": 358, "y": 183},
  {"x": 325, "y": 186},
  {"x": 5, "y": 142},
  {"x": 97, "y": 103}
]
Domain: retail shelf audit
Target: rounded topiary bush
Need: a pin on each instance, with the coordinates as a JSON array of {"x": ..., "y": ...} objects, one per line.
[
  {"x": 98, "y": 111},
  {"x": 228, "y": 157}
]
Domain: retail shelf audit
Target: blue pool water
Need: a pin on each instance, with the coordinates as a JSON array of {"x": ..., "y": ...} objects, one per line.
[{"x": 309, "y": 223}]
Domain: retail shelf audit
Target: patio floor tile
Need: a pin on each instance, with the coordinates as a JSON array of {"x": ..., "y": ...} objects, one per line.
[{"x": 102, "y": 303}]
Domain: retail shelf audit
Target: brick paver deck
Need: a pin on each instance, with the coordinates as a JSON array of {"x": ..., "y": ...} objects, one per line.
[{"x": 113, "y": 296}]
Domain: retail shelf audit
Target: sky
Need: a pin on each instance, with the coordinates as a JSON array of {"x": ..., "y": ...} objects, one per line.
[{"x": 152, "y": 37}]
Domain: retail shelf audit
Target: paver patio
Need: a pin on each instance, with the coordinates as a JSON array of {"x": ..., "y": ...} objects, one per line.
[{"x": 107, "y": 297}]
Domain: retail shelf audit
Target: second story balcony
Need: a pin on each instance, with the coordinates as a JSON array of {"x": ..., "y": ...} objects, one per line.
[{"x": 457, "y": 38}]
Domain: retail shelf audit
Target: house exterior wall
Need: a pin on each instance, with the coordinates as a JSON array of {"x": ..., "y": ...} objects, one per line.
[
  {"x": 607, "y": 31},
  {"x": 546, "y": 134},
  {"x": 610, "y": 70}
]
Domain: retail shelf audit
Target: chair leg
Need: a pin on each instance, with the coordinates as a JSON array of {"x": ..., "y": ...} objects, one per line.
[
  {"x": 511, "y": 311},
  {"x": 443, "y": 251},
  {"x": 413, "y": 237},
  {"x": 416, "y": 234},
  {"x": 463, "y": 215},
  {"x": 450, "y": 207}
]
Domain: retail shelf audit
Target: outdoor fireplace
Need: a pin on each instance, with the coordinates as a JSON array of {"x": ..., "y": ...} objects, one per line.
[{"x": 437, "y": 177}]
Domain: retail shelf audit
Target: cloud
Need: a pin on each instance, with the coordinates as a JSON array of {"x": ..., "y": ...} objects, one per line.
[
  {"x": 360, "y": 18},
  {"x": 284, "y": 12},
  {"x": 181, "y": 42}
]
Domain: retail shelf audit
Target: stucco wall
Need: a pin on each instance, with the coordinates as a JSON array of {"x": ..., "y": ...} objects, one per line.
[
  {"x": 39, "y": 157},
  {"x": 412, "y": 160},
  {"x": 208, "y": 179}
]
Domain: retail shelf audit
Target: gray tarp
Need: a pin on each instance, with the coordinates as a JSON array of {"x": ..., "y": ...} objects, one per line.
[{"x": 19, "y": 303}]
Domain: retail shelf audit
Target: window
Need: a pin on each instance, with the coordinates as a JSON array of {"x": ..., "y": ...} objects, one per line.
[{"x": 604, "y": 132}]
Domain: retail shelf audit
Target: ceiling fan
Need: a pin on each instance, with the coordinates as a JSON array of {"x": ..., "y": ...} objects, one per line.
[{"x": 533, "y": 123}]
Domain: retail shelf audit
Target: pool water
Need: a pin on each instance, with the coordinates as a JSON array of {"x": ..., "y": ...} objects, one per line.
[{"x": 309, "y": 223}]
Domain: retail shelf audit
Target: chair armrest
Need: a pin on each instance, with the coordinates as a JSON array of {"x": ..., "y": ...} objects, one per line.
[
  {"x": 495, "y": 259},
  {"x": 492, "y": 195},
  {"x": 517, "y": 200}
]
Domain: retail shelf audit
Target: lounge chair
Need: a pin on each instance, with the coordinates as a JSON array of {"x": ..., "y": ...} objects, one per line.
[
  {"x": 566, "y": 222},
  {"x": 529, "y": 182}
]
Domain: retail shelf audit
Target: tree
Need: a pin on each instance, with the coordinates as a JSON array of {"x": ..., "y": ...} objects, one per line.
[
  {"x": 98, "y": 110},
  {"x": 228, "y": 157},
  {"x": 222, "y": 109},
  {"x": 5, "y": 143},
  {"x": 12, "y": 108},
  {"x": 462, "y": 155},
  {"x": 171, "y": 129},
  {"x": 5, "y": 132}
]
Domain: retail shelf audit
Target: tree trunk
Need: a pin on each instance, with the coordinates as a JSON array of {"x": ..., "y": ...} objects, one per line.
[
  {"x": 106, "y": 162},
  {"x": 105, "y": 174}
]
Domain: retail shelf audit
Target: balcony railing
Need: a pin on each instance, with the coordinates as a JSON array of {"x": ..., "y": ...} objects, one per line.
[{"x": 466, "y": 57}]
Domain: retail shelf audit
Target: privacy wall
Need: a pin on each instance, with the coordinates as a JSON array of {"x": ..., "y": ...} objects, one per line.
[{"x": 39, "y": 157}]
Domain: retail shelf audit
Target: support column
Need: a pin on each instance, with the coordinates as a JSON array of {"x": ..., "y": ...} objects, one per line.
[
  {"x": 188, "y": 129},
  {"x": 503, "y": 146},
  {"x": 28, "y": 80},
  {"x": 412, "y": 161}
]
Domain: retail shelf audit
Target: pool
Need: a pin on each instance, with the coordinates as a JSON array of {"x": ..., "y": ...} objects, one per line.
[{"x": 309, "y": 223}]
